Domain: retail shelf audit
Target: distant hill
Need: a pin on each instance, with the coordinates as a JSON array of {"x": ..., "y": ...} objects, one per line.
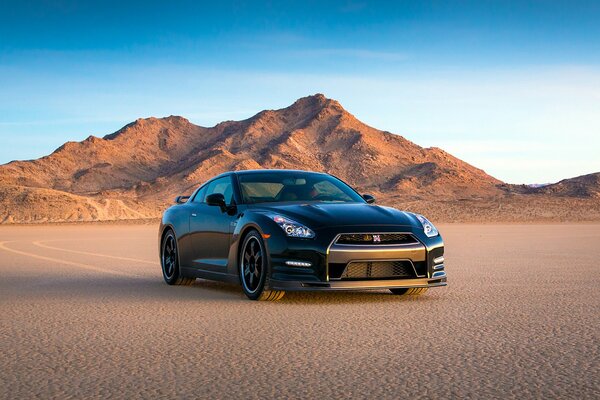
[
  {"x": 585, "y": 186},
  {"x": 135, "y": 172}
]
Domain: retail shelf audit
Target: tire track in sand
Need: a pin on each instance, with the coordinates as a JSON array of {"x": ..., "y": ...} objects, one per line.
[
  {"x": 64, "y": 262},
  {"x": 41, "y": 243}
]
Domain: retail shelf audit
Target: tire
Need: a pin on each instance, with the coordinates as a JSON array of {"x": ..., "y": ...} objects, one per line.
[
  {"x": 409, "y": 291},
  {"x": 169, "y": 260},
  {"x": 253, "y": 268}
]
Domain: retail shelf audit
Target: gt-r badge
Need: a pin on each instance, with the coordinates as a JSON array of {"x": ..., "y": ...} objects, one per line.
[{"x": 376, "y": 238}]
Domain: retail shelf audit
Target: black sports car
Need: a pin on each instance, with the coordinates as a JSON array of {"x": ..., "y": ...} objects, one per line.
[{"x": 279, "y": 230}]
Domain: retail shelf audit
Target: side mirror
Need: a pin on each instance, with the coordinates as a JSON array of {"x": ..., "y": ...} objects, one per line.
[
  {"x": 217, "y": 199},
  {"x": 181, "y": 199},
  {"x": 368, "y": 198}
]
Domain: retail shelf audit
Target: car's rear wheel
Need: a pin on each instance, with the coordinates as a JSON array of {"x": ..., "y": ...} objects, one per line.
[
  {"x": 169, "y": 258},
  {"x": 409, "y": 291},
  {"x": 253, "y": 268}
]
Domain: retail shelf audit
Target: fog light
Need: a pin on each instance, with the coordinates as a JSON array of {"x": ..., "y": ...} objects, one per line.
[
  {"x": 298, "y": 263},
  {"x": 438, "y": 260}
]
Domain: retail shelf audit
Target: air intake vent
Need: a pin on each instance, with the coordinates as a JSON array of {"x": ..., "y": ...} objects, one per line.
[{"x": 378, "y": 270}]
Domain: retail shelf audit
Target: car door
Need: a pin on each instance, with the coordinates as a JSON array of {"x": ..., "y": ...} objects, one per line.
[{"x": 211, "y": 228}]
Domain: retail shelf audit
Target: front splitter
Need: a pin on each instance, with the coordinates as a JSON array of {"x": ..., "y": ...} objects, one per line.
[{"x": 356, "y": 285}]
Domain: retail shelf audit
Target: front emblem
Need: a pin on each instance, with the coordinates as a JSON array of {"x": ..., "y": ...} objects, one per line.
[{"x": 376, "y": 238}]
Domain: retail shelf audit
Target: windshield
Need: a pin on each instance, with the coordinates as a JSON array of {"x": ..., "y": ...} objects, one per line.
[{"x": 281, "y": 186}]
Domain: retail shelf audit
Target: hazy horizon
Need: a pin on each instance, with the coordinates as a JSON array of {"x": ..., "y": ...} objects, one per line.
[{"x": 512, "y": 88}]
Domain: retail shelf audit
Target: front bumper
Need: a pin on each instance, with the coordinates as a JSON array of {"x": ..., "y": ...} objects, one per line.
[{"x": 329, "y": 259}]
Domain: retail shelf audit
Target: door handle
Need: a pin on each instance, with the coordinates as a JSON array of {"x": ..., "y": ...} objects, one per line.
[{"x": 193, "y": 214}]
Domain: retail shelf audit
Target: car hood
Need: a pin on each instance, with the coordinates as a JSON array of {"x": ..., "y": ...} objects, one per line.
[{"x": 317, "y": 215}]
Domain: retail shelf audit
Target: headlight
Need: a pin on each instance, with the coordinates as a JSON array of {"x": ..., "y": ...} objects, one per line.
[
  {"x": 293, "y": 228},
  {"x": 428, "y": 228}
]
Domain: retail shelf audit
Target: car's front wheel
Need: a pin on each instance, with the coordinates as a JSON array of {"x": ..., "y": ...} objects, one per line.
[
  {"x": 253, "y": 268},
  {"x": 409, "y": 291},
  {"x": 169, "y": 259}
]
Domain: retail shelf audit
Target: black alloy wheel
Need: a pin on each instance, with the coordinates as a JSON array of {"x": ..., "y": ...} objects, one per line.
[
  {"x": 253, "y": 266},
  {"x": 170, "y": 261}
]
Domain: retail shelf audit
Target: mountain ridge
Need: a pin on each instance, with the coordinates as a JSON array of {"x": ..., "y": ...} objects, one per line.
[{"x": 139, "y": 168}]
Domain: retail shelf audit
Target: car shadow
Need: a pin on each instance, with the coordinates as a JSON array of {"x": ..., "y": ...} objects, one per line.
[
  {"x": 348, "y": 297},
  {"x": 119, "y": 288}
]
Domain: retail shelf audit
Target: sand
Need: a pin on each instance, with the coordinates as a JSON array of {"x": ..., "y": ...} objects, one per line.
[{"x": 85, "y": 314}]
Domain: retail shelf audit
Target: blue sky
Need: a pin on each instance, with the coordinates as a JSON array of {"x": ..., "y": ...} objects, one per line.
[{"x": 511, "y": 87}]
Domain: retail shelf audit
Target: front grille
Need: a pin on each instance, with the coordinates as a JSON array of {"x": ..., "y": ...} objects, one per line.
[
  {"x": 376, "y": 238},
  {"x": 378, "y": 270}
]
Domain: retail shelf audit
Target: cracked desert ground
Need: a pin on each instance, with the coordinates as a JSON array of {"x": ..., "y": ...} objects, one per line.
[{"x": 85, "y": 314}]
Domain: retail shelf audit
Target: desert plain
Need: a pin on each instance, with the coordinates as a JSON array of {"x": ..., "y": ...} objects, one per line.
[{"x": 84, "y": 313}]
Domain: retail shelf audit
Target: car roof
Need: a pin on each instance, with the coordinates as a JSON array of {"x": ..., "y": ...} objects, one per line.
[
  {"x": 267, "y": 171},
  {"x": 262, "y": 171},
  {"x": 259, "y": 171}
]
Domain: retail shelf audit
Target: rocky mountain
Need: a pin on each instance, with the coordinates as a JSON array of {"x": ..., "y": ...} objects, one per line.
[
  {"x": 585, "y": 186},
  {"x": 135, "y": 172}
]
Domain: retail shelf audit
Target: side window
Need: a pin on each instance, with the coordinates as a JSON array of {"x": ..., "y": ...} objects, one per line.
[
  {"x": 223, "y": 186},
  {"x": 199, "y": 198}
]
